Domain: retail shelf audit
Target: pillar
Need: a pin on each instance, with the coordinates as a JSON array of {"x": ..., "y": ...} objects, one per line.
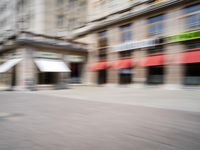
[{"x": 25, "y": 70}]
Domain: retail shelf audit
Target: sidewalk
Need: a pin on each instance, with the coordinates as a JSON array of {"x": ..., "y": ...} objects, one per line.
[{"x": 183, "y": 99}]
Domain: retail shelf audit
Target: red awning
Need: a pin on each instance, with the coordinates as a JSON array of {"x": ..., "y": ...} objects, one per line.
[
  {"x": 101, "y": 65},
  {"x": 190, "y": 57},
  {"x": 154, "y": 60},
  {"x": 123, "y": 63}
]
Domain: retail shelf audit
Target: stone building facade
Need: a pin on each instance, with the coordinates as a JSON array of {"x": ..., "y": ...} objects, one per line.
[
  {"x": 48, "y": 17},
  {"x": 34, "y": 61},
  {"x": 143, "y": 43},
  {"x": 34, "y": 36}
]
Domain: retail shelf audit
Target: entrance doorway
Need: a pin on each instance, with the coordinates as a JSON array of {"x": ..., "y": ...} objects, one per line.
[
  {"x": 192, "y": 74},
  {"x": 155, "y": 75},
  {"x": 102, "y": 77},
  {"x": 125, "y": 76},
  {"x": 76, "y": 71}
]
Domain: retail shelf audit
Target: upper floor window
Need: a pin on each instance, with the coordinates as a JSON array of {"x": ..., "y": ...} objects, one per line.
[
  {"x": 102, "y": 45},
  {"x": 102, "y": 39},
  {"x": 192, "y": 16},
  {"x": 60, "y": 21},
  {"x": 60, "y": 2},
  {"x": 73, "y": 4},
  {"x": 126, "y": 32},
  {"x": 71, "y": 24},
  {"x": 156, "y": 25},
  {"x": 102, "y": 53}
]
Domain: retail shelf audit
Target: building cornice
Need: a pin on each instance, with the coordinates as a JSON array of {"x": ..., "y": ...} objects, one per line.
[
  {"x": 31, "y": 39},
  {"x": 129, "y": 16}
]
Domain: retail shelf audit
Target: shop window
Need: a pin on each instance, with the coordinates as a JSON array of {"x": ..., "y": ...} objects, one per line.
[
  {"x": 154, "y": 50},
  {"x": 125, "y": 76},
  {"x": 192, "y": 74},
  {"x": 126, "y": 33},
  {"x": 47, "y": 78},
  {"x": 155, "y": 75},
  {"x": 192, "y": 19},
  {"x": 156, "y": 25}
]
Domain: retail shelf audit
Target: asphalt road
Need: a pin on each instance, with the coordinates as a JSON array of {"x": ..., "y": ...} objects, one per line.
[{"x": 30, "y": 121}]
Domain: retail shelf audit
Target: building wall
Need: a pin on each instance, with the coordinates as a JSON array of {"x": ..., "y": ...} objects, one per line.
[
  {"x": 50, "y": 17},
  {"x": 7, "y": 19},
  {"x": 174, "y": 23}
]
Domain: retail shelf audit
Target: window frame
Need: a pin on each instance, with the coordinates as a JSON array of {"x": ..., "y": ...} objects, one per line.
[{"x": 158, "y": 31}]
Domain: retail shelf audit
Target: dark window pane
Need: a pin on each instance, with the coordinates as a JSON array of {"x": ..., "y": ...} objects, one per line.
[
  {"x": 125, "y": 27},
  {"x": 156, "y": 29},
  {"x": 155, "y": 50},
  {"x": 192, "y": 9},
  {"x": 193, "y": 21},
  {"x": 103, "y": 42},
  {"x": 156, "y": 19},
  {"x": 126, "y": 33},
  {"x": 102, "y": 34},
  {"x": 125, "y": 54}
]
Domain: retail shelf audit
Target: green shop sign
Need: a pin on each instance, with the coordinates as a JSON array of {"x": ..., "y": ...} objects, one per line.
[{"x": 185, "y": 36}]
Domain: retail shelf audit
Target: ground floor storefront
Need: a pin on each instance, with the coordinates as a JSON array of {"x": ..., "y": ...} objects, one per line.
[
  {"x": 42, "y": 65},
  {"x": 175, "y": 65}
]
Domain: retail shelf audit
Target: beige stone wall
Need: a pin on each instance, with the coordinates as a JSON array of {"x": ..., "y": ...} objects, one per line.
[{"x": 26, "y": 69}]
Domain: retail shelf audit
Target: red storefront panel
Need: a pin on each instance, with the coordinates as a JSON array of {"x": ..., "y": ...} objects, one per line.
[
  {"x": 123, "y": 63},
  {"x": 153, "y": 60},
  {"x": 99, "y": 66}
]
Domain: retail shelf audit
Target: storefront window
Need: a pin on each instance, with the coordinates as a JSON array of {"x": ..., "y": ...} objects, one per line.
[
  {"x": 126, "y": 33},
  {"x": 156, "y": 25},
  {"x": 47, "y": 78},
  {"x": 193, "y": 16},
  {"x": 155, "y": 75},
  {"x": 125, "y": 75},
  {"x": 192, "y": 74}
]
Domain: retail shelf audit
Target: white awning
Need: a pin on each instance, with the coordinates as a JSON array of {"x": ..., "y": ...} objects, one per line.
[
  {"x": 9, "y": 64},
  {"x": 51, "y": 65}
]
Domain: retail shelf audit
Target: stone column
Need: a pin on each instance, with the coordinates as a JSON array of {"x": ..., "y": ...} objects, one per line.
[
  {"x": 90, "y": 77},
  {"x": 173, "y": 70},
  {"x": 25, "y": 70},
  {"x": 114, "y": 39},
  {"x": 140, "y": 33},
  {"x": 139, "y": 71}
]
